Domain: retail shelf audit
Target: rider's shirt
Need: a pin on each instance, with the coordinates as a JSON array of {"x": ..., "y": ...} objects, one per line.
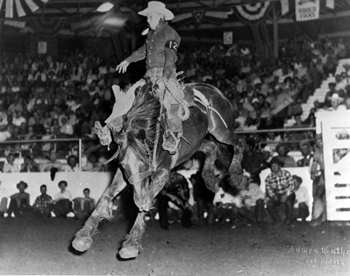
[{"x": 160, "y": 49}]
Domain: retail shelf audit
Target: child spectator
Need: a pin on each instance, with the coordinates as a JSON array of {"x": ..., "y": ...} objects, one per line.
[
  {"x": 253, "y": 203},
  {"x": 227, "y": 201},
  {"x": 43, "y": 204},
  {"x": 301, "y": 208},
  {"x": 83, "y": 206}
]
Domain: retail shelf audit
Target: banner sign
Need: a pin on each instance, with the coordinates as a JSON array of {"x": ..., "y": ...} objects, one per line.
[
  {"x": 284, "y": 7},
  {"x": 42, "y": 47},
  {"x": 330, "y": 4},
  {"x": 283, "y": 100},
  {"x": 252, "y": 13},
  {"x": 307, "y": 10},
  {"x": 228, "y": 38}
]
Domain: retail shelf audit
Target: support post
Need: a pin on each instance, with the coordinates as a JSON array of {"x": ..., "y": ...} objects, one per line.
[{"x": 275, "y": 31}]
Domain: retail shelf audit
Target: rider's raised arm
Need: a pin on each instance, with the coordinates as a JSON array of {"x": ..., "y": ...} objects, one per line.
[
  {"x": 172, "y": 43},
  {"x": 139, "y": 54}
]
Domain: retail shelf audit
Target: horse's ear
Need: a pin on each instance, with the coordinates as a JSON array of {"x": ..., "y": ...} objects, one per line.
[{"x": 141, "y": 135}]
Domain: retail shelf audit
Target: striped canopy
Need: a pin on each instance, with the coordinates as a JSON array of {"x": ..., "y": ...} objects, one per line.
[{"x": 19, "y": 8}]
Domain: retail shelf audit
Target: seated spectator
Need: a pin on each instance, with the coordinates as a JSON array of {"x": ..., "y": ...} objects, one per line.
[
  {"x": 279, "y": 191},
  {"x": 83, "y": 206},
  {"x": 328, "y": 97},
  {"x": 20, "y": 203},
  {"x": 253, "y": 161},
  {"x": 306, "y": 151},
  {"x": 318, "y": 185},
  {"x": 337, "y": 101},
  {"x": 43, "y": 204},
  {"x": 3, "y": 200},
  {"x": 38, "y": 127},
  {"x": 301, "y": 208},
  {"x": 227, "y": 201},
  {"x": 18, "y": 119},
  {"x": 4, "y": 135},
  {"x": 10, "y": 126},
  {"x": 282, "y": 154},
  {"x": 173, "y": 202},
  {"x": 10, "y": 166},
  {"x": 67, "y": 128},
  {"x": 93, "y": 164},
  {"x": 52, "y": 163},
  {"x": 252, "y": 203},
  {"x": 29, "y": 165},
  {"x": 202, "y": 196},
  {"x": 62, "y": 203},
  {"x": 72, "y": 164}
]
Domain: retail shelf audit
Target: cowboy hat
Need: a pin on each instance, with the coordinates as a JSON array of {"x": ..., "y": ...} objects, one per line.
[
  {"x": 305, "y": 143},
  {"x": 22, "y": 183},
  {"x": 157, "y": 7}
]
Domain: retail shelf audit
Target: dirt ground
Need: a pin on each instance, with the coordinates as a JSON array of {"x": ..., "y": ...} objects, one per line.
[{"x": 43, "y": 247}]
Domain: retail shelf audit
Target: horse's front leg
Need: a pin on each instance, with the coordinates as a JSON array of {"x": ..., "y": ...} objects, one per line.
[
  {"x": 132, "y": 243},
  {"x": 83, "y": 238}
]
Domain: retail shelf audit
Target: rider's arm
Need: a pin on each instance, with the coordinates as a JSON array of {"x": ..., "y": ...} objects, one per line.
[
  {"x": 139, "y": 54},
  {"x": 172, "y": 43}
]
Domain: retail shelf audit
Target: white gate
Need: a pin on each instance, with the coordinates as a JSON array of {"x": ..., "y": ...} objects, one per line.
[{"x": 335, "y": 129}]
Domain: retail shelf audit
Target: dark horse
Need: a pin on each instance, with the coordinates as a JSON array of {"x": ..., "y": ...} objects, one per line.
[{"x": 146, "y": 166}]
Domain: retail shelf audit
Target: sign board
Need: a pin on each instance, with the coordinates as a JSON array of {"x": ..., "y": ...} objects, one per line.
[
  {"x": 307, "y": 9},
  {"x": 42, "y": 47},
  {"x": 335, "y": 128},
  {"x": 283, "y": 100},
  {"x": 228, "y": 38}
]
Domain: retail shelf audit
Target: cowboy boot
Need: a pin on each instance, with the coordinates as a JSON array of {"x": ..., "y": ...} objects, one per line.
[{"x": 170, "y": 142}]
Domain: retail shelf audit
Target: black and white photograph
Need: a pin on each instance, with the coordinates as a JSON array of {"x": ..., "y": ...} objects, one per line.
[{"x": 175, "y": 137}]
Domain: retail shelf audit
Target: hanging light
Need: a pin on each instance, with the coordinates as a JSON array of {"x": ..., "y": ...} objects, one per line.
[{"x": 105, "y": 7}]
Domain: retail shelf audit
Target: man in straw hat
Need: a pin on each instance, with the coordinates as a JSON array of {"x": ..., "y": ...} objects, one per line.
[
  {"x": 160, "y": 52},
  {"x": 19, "y": 204}
]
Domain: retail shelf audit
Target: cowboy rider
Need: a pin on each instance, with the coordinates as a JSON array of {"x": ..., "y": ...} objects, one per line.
[{"x": 160, "y": 51}]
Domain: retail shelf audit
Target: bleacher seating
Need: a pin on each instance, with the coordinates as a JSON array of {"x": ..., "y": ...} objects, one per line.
[{"x": 319, "y": 94}]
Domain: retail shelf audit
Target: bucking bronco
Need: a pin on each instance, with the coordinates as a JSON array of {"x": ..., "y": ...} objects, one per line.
[{"x": 144, "y": 164}]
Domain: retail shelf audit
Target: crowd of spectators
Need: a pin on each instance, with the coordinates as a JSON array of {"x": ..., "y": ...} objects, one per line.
[{"x": 61, "y": 97}]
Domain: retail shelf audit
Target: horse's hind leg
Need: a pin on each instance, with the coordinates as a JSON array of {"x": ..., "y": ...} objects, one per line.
[
  {"x": 228, "y": 137},
  {"x": 83, "y": 238}
]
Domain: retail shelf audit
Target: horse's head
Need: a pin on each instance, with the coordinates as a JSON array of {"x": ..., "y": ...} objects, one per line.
[{"x": 136, "y": 139}]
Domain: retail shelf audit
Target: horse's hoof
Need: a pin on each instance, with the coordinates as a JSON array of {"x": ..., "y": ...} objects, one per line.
[
  {"x": 82, "y": 244},
  {"x": 128, "y": 252}
]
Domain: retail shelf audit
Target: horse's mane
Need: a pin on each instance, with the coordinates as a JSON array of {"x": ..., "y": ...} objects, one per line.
[{"x": 142, "y": 118}]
